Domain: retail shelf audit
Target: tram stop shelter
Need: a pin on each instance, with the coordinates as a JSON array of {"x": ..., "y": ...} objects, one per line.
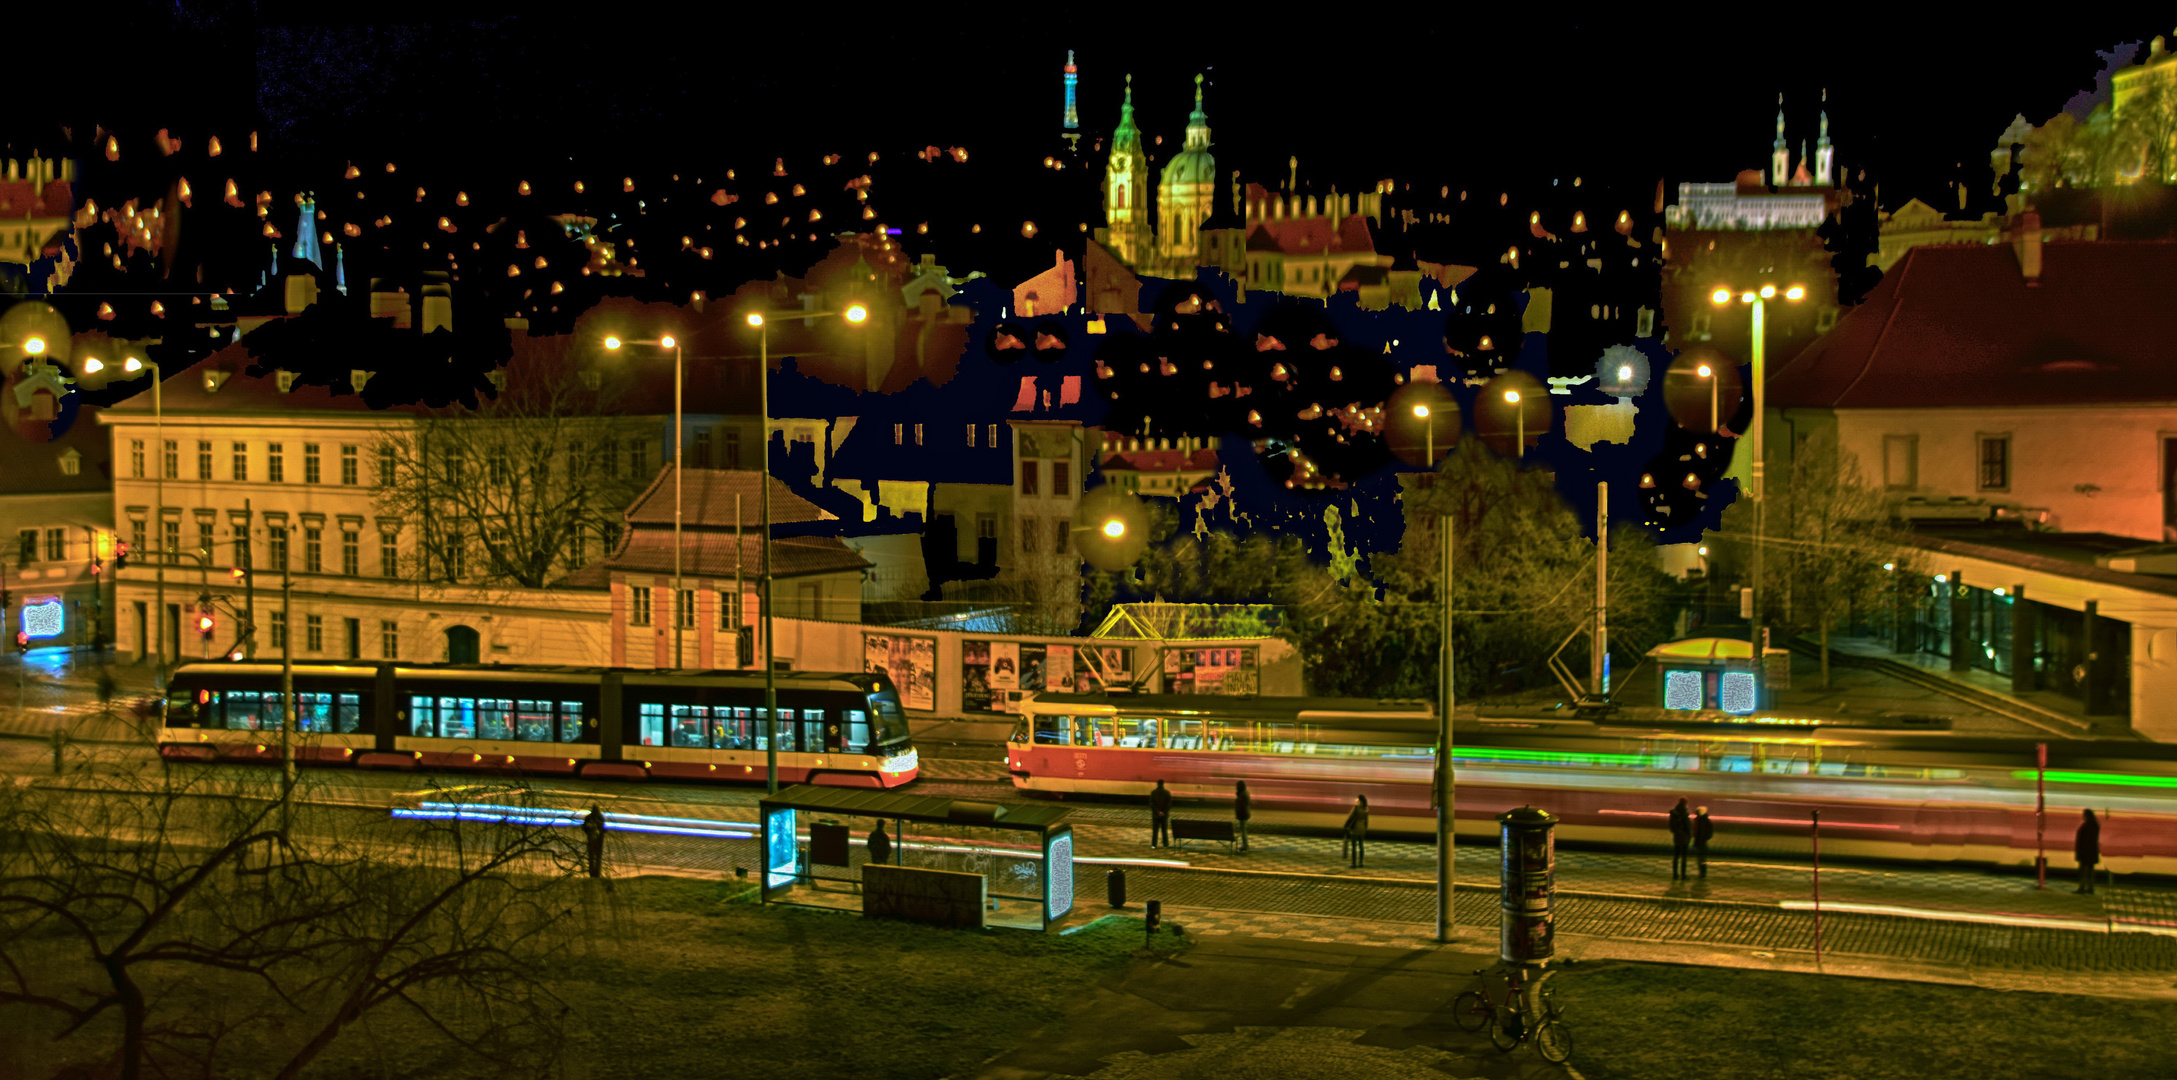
[
  {"x": 954, "y": 862},
  {"x": 1715, "y": 673}
]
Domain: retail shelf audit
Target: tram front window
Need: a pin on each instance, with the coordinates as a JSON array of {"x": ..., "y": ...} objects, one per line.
[{"x": 1054, "y": 730}]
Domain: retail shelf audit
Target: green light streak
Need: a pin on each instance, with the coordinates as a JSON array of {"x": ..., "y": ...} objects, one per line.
[
  {"x": 1546, "y": 757},
  {"x": 2120, "y": 779}
]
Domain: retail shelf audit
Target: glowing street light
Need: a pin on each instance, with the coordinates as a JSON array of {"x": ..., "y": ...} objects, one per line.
[
  {"x": 680, "y": 618},
  {"x": 1715, "y": 422},
  {"x": 1428, "y": 439},
  {"x": 1115, "y": 529},
  {"x": 1753, "y": 461},
  {"x": 1519, "y": 423}
]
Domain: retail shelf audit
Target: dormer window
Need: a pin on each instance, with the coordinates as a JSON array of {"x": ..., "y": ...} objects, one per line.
[
  {"x": 213, "y": 380},
  {"x": 71, "y": 462},
  {"x": 287, "y": 381},
  {"x": 358, "y": 379}
]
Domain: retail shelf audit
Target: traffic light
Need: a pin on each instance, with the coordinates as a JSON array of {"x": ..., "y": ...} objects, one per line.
[
  {"x": 121, "y": 555},
  {"x": 239, "y": 574},
  {"x": 22, "y": 641},
  {"x": 204, "y": 618},
  {"x": 98, "y": 565}
]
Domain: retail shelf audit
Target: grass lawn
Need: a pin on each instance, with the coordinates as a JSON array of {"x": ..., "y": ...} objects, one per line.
[{"x": 1643, "y": 1021}]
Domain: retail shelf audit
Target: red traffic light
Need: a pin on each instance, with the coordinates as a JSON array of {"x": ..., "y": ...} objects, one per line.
[
  {"x": 239, "y": 573},
  {"x": 204, "y": 623},
  {"x": 22, "y": 640}
]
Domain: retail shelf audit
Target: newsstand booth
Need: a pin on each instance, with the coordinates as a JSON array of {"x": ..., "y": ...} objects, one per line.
[
  {"x": 1711, "y": 673},
  {"x": 954, "y": 862}
]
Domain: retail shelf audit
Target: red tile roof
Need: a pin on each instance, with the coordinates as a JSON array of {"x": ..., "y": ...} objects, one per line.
[
  {"x": 18, "y": 198},
  {"x": 712, "y": 555},
  {"x": 1312, "y": 236},
  {"x": 1204, "y": 459},
  {"x": 1959, "y": 326},
  {"x": 707, "y": 501}
]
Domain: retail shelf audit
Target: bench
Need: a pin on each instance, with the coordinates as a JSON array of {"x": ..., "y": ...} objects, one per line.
[{"x": 1184, "y": 829}]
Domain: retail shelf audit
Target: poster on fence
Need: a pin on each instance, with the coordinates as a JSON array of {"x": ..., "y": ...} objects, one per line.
[
  {"x": 994, "y": 674},
  {"x": 1229, "y": 669},
  {"x": 910, "y": 661}
]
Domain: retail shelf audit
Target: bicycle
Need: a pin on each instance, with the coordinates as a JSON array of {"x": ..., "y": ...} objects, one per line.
[{"x": 1509, "y": 1024}]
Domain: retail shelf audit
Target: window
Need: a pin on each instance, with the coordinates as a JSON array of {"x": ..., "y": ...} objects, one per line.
[
  {"x": 26, "y": 546},
  {"x": 1062, "y": 537},
  {"x": 348, "y": 466},
  {"x": 684, "y": 610},
  {"x": 638, "y": 613},
  {"x": 994, "y": 436},
  {"x": 495, "y": 719},
  {"x": 309, "y": 463},
  {"x": 1061, "y": 479},
  {"x": 691, "y": 725},
  {"x": 733, "y": 449},
  {"x": 570, "y": 721},
  {"x": 702, "y": 452},
  {"x": 389, "y": 639},
  {"x": 173, "y": 460},
  {"x": 276, "y": 539},
  {"x": 313, "y": 633},
  {"x": 1900, "y": 462},
  {"x": 918, "y": 434},
  {"x": 1028, "y": 543},
  {"x": 638, "y": 458},
  {"x": 899, "y": 434},
  {"x": 240, "y": 533},
  {"x": 457, "y": 555},
  {"x": 971, "y": 435},
  {"x": 986, "y": 526},
  {"x": 204, "y": 459},
  {"x": 387, "y": 460},
  {"x": 495, "y": 463},
  {"x": 136, "y": 529},
  {"x": 276, "y": 462},
  {"x": 729, "y": 611},
  {"x": 136, "y": 458},
  {"x": 1030, "y": 472},
  {"x": 241, "y": 461},
  {"x": 56, "y": 545},
  {"x": 313, "y": 551},
  {"x": 170, "y": 537},
  {"x": 389, "y": 555},
  {"x": 650, "y": 718},
  {"x": 205, "y": 544},
  {"x": 279, "y": 628},
  {"x": 533, "y": 721},
  {"x": 351, "y": 553},
  {"x": 1995, "y": 462}
]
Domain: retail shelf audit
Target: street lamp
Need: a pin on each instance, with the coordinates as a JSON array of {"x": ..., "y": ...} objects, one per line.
[
  {"x": 1754, "y": 464},
  {"x": 1715, "y": 422},
  {"x": 1519, "y": 413},
  {"x": 132, "y": 365},
  {"x": 680, "y": 618},
  {"x": 852, "y": 313},
  {"x": 1421, "y": 412}
]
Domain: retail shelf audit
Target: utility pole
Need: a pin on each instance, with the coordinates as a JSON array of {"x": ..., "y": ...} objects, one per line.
[
  {"x": 243, "y": 550},
  {"x": 1446, "y": 801},
  {"x": 740, "y": 628},
  {"x": 288, "y": 716},
  {"x": 1599, "y": 663}
]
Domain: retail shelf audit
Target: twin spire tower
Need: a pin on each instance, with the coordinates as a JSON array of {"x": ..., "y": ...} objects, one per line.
[{"x": 1824, "y": 167}]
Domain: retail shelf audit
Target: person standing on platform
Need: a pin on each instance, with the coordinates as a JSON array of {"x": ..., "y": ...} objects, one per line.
[
  {"x": 1681, "y": 833},
  {"x": 1241, "y": 811},
  {"x": 880, "y": 846},
  {"x": 1160, "y": 816},
  {"x": 2088, "y": 849},
  {"x": 1357, "y": 831},
  {"x": 593, "y": 829},
  {"x": 1703, "y": 830}
]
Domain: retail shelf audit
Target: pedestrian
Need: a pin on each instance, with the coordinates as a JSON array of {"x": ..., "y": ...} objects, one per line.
[
  {"x": 1241, "y": 810},
  {"x": 880, "y": 846},
  {"x": 1160, "y": 816},
  {"x": 2088, "y": 849},
  {"x": 1703, "y": 831},
  {"x": 1357, "y": 831},
  {"x": 593, "y": 829},
  {"x": 1681, "y": 832}
]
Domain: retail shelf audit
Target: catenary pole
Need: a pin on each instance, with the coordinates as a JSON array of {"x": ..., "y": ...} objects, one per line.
[{"x": 1446, "y": 802}]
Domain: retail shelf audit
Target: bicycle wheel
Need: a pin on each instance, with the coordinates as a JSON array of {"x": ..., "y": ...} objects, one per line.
[
  {"x": 1550, "y": 1007},
  {"x": 1499, "y": 1036},
  {"x": 1470, "y": 1010},
  {"x": 1554, "y": 1042}
]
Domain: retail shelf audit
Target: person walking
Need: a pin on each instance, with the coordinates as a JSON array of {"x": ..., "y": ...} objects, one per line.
[
  {"x": 1357, "y": 831},
  {"x": 593, "y": 829},
  {"x": 1703, "y": 830},
  {"x": 1160, "y": 816},
  {"x": 1241, "y": 810},
  {"x": 880, "y": 845},
  {"x": 2087, "y": 847},
  {"x": 1681, "y": 833}
]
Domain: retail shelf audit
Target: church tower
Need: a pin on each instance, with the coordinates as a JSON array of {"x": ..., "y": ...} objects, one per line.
[
  {"x": 1780, "y": 153},
  {"x": 1187, "y": 191},
  {"x": 1823, "y": 159},
  {"x": 306, "y": 246},
  {"x": 1126, "y": 188}
]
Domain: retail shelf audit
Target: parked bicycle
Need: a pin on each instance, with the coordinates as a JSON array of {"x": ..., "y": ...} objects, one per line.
[{"x": 1507, "y": 1016}]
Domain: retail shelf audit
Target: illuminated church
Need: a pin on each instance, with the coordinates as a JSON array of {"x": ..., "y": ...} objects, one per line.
[{"x": 1163, "y": 237}]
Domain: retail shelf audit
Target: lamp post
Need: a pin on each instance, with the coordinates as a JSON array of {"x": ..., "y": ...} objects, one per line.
[
  {"x": 680, "y": 617},
  {"x": 1428, "y": 440},
  {"x": 1750, "y": 476},
  {"x": 853, "y": 313},
  {"x": 158, "y": 508},
  {"x": 1715, "y": 422},
  {"x": 1519, "y": 421}
]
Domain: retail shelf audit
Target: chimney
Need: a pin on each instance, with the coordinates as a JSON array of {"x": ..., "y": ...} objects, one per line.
[
  {"x": 301, "y": 292},
  {"x": 389, "y": 301},
  {"x": 438, "y": 304},
  {"x": 2027, "y": 243}
]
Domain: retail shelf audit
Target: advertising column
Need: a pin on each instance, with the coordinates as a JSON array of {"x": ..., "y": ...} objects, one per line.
[{"x": 1529, "y": 880}]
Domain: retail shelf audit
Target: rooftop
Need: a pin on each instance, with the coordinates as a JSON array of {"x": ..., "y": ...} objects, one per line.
[
  {"x": 707, "y": 501},
  {"x": 2075, "y": 555}
]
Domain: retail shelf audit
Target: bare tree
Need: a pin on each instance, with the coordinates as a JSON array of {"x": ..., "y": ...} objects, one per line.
[
  {"x": 163, "y": 921},
  {"x": 527, "y": 486}
]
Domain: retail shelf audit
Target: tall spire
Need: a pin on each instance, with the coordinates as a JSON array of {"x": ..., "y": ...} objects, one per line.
[
  {"x": 1824, "y": 154},
  {"x": 1073, "y": 75},
  {"x": 1198, "y": 121},
  {"x": 1780, "y": 152},
  {"x": 1125, "y": 136},
  {"x": 306, "y": 233},
  {"x": 340, "y": 270}
]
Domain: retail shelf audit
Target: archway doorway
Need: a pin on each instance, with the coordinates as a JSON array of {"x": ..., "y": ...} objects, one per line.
[{"x": 461, "y": 645}]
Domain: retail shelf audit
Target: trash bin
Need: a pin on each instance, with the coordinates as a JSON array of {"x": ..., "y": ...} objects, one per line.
[{"x": 1115, "y": 884}]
